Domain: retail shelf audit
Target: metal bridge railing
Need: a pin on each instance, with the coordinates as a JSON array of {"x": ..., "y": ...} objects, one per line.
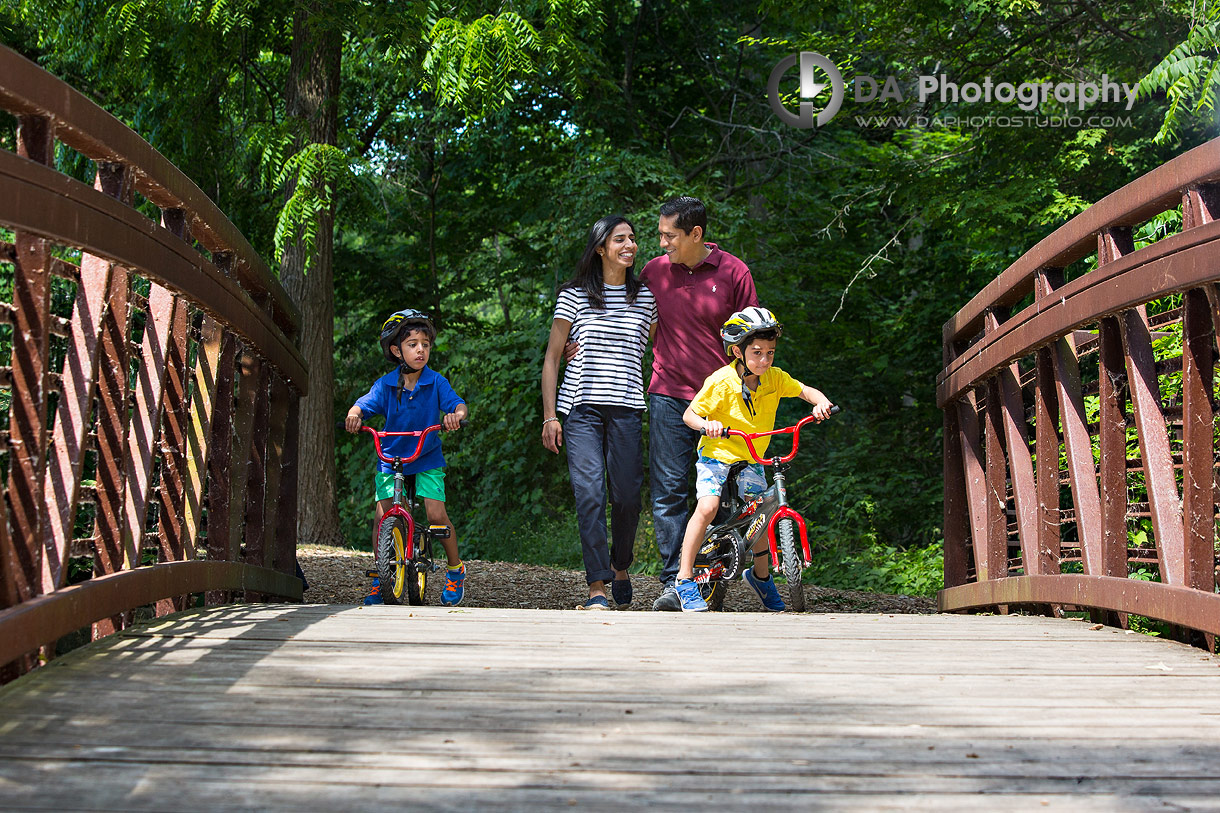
[
  {"x": 153, "y": 389},
  {"x": 1108, "y": 349}
]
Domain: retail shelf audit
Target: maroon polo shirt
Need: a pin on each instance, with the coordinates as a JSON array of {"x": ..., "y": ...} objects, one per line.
[{"x": 692, "y": 304}]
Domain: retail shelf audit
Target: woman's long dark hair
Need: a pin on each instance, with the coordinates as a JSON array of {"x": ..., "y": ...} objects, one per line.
[{"x": 588, "y": 276}]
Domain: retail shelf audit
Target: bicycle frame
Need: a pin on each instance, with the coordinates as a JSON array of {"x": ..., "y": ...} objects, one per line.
[
  {"x": 779, "y": 484},
  {"x": 397, "y": 463},
  {"x": 738, "y": 527}
]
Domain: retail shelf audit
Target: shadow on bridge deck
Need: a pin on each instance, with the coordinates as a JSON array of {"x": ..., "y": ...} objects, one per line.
[{"x": 317, "y": 707}]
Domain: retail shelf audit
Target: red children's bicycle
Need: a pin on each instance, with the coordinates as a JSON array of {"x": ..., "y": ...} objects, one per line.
[
  {"x": 729, "y": 541},
  {"x": 404, "y": 548}
]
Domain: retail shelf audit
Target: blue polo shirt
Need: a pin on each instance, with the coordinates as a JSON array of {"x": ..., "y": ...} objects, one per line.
[{"x": 411, "y": 411}]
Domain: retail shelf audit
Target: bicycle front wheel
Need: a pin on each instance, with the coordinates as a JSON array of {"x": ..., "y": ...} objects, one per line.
[
  {"x": 393, "y": 567},
  {"x": 785, "y": 530},
  {"x": 713, "y": 594}
]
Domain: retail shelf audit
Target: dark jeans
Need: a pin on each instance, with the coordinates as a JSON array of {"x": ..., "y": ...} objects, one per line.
[
  {"x": 671, "y": 462},
  {"x": 605, "y": 447}
]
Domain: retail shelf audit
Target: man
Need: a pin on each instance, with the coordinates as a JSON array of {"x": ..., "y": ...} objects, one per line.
[{"x": 697, "y": 286}]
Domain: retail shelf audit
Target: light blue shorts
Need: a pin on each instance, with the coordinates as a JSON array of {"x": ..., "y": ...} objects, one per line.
[{"x": 710, "y": 475}]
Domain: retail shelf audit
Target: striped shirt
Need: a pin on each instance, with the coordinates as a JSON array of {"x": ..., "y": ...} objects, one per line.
[{"x": 608, "y": 369}]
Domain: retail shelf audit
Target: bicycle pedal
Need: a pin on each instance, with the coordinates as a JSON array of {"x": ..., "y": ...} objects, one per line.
[
  {"x": 438, "y": 531},
  {"x": 372, "y": 574}
]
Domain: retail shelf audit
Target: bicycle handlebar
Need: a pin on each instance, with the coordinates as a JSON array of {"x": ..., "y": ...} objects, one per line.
[
  {"x": 419, "y": 445},
  {"x": 795, "y": 431}
]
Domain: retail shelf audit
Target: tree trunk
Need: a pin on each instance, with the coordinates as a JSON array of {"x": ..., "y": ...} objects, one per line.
[{"x": 313, "y": 98}]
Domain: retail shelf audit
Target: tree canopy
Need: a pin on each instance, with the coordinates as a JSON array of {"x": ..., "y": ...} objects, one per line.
[{"x": 475, "y": 143}]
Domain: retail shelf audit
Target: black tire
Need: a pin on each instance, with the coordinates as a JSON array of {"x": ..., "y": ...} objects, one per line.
[
  {"x": 393, "y": 568},
  {"x": 713, "y": 594},
  {"x": 785, "y": 530}
]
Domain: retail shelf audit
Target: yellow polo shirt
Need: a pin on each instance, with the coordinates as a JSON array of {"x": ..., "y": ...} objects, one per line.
[{"x": 720, "y": 399}]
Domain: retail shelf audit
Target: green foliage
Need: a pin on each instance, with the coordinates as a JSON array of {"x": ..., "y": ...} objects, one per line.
[
  {"x": 477, "y": 65},
  {"x": 1189, "y": 75},
  {"x": 318, "y": 175},
  {"x": 877, "y": 567},
  {"x": 503, "y": 470},
  {"x": 478, "y": 141}
]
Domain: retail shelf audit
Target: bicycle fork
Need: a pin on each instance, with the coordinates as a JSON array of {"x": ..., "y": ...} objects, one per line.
[{"x": 784, "y": 511}]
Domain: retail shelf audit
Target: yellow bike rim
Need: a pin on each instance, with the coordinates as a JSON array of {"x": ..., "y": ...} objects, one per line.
[{"x": 400, "y": 564}]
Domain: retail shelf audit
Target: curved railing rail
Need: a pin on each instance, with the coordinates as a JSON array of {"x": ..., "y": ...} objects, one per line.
[
  {"x": 153, "y": 388},
  {"x": 1112, "y": 508}
]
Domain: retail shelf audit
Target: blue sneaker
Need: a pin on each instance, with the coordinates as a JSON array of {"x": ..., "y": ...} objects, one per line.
[
  {"x": 688, "y": 594},
  {"x": 455, "y": 586},
  {"x": 767, "y": 592},
  {"x": 374, "y": 596}
]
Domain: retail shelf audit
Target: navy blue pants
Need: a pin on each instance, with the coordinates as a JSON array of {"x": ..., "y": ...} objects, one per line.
[
  {"x": 671, "y": 464},
  {"x": 605, "y": 454}
]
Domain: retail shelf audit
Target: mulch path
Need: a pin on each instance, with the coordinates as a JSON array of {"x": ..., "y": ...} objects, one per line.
[{"x": 336, "y": 576}]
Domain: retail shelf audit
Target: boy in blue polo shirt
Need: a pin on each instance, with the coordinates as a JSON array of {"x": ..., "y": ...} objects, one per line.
[{"x": 411, "y": 398}]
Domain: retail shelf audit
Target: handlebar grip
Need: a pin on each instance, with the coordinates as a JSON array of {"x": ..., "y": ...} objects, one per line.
[
  {"x": 834, "y": 409},
  {"x": 727, "y": 429}
]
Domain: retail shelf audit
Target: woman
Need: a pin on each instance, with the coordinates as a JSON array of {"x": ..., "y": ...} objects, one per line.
[{"x": 606, "y": 310}]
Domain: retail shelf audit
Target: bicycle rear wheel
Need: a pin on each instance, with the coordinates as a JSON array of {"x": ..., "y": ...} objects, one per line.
[
  {"x": 417, "y": 573},
  {"x": 785, "y": 530},
  {"x": 393, "y": 568}
]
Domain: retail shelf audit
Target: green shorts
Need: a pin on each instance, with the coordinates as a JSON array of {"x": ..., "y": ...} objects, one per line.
[{"x": 429, "y": 484}]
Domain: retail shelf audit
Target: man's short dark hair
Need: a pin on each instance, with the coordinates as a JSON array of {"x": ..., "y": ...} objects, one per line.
[{"x": 690, "y": 212}]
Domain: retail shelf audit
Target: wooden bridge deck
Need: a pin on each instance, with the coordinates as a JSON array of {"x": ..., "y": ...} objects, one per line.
[{"x": 279, "y": 707}]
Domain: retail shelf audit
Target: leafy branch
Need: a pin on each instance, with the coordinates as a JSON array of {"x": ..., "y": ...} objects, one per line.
[
  {"x": 1189, "y": 75},
  {"x": 319, "y": 177}
]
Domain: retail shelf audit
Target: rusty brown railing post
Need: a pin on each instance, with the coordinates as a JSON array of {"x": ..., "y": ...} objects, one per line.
[{"x": 1100, "y": 319}]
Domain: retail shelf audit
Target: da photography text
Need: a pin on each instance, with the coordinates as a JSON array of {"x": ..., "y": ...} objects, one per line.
[
  {"x": 1027, "y": 96},
  {"x": 817, "y": 74}
]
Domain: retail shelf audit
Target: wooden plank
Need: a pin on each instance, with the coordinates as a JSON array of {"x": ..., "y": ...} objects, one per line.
[{"x": 280, "y": 707}]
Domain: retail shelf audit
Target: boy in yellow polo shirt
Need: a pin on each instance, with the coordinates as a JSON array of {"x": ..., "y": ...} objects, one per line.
[{"x": 743, "y": 395}]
